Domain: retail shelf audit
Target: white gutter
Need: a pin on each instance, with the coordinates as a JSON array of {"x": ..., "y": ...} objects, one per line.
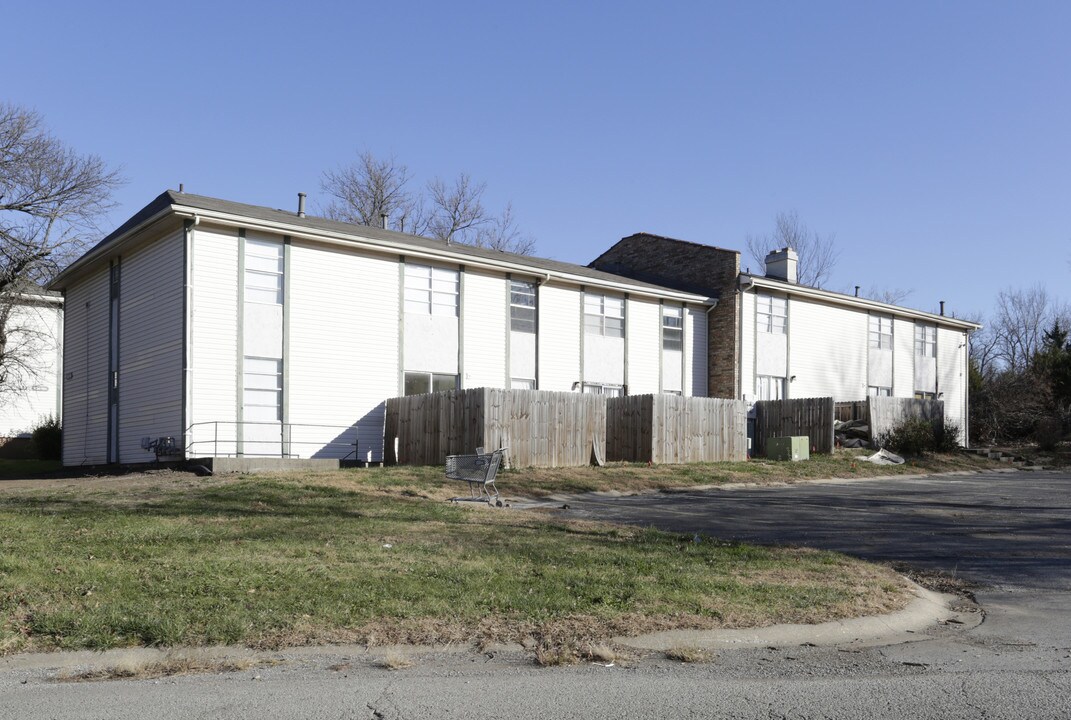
[
  {"x": 854, "y": 302},
  {"x": 347, "y": 240}
]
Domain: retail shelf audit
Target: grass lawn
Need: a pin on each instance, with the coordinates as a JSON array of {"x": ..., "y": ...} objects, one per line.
[
  {"x": 358, "y": 556},
  {"x": 629, "y": 477}
]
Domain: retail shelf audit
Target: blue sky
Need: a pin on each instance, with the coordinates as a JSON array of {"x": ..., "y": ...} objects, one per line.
[{"x": 933, "y": 139}]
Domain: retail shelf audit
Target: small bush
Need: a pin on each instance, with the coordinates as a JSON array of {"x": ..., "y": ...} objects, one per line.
[
  {"x": 915, "y": 436},
  {"x": 48, "y": 439},
  {"x": 1048, "y": 433},
  {"x": 947, "y": 440}
]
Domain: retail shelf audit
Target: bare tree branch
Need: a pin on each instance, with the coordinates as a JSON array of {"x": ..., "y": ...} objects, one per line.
[
  {"x": 891, "y": 296},
  {"x": 370, "y": 189},
  {"x": 817, "y": 254},
  {"x": 50, "y": 200}
]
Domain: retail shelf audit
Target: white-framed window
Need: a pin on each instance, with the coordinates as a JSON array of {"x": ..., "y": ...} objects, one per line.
[
  {"x": 431, "y": 290},
  {"x": 522, "y": 383},
  {"x": 522, "y": 306},
  {"x": 672, "y": 327},
  {"x": 771, "y": 314},
  {"x": 926, "y": 340},
  {"x": 880, "y": 332},
  {"x": 604, "y": 315},
  {"x": 922, "y": 395},
  {"x": 672, "y": 392},
  {"x": 770, "y": 387},
  {"x": 879, "y": 391},
  {"x": 418, "y": 383},
  {"x": 607, "y": 390},
  {"x": 263, "y": 277},
  {"x": 262, "y": 389}
]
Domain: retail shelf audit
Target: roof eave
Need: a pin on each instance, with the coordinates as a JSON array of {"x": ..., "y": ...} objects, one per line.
[{"x": 858, "y": 302}]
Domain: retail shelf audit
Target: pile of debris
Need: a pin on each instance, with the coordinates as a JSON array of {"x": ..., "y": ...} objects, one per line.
[{"x": 851, "y": 434}]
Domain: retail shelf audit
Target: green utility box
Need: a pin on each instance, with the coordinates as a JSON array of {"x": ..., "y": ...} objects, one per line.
[{"x": 797, "y": 447}]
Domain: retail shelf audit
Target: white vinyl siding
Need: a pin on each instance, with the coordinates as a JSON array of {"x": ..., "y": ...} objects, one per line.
[
  {"x": 695, "y": 352},
  {"x": 485, "y": 328},
  {"x": 952, "y": 374},
  {"x": 643, "y": 347},
  {"x": 343, "y": 349},
  {"x": 829, "y": 351},
  {"x": 559, "y": 341},
  {"x": 85, "y": 367},
  {"x": 151, "y": 346},
  {"x": 903, "y": 380},
  {"x": 214, "y": 327}
]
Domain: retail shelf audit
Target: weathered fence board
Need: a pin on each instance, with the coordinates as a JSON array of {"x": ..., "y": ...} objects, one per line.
[
  {"x": 541, "y": 429},
  {"x": 673, "y": 429},
  {"x": 812, "y": 417},
  {"x": 888, "y": 412},
  {"x": 850, "y": 410}
]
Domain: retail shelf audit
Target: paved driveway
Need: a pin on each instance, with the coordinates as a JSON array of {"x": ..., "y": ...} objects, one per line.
[
  {"x": 1008, "y": 532},
  {"x": 1000, "y": 529}
]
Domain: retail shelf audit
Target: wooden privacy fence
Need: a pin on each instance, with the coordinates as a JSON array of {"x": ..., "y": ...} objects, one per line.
[
  {"x": 850, "y": 410},
  {"x": 675, "y": 429},
  {"x": 812, "y": 417},
  {"x": 541, "y": 429},
  {"x": 885, "y": 413}
]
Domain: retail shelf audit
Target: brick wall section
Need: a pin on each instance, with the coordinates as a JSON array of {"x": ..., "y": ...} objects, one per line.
[{"x": 691, "y": 267}]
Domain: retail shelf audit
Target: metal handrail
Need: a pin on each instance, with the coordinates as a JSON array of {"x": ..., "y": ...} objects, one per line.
[{"x": 286, "y": 441}]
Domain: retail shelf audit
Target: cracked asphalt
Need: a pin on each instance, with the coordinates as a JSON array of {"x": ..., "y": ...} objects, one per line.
[{"x": 1008, "y": 532}]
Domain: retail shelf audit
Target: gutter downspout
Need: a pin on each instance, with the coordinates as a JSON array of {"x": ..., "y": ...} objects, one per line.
[{"x": 744, "y": 284}]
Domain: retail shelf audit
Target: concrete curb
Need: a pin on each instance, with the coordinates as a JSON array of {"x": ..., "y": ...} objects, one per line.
[{"x": 927, "y": 610}]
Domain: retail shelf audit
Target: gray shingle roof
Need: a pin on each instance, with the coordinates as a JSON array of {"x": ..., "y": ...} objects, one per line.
[{"x": 171, "y": 198}]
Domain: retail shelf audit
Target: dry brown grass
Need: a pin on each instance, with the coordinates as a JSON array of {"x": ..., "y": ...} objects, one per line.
[
  {"x": 174, "y": 663},
  {"x": 688, "y": 655},
  {"x": 395, "y": 661}
]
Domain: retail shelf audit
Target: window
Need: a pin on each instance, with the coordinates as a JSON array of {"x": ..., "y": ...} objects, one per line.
[
  {"x": 262, "y": 389},
  {"x": 771, "y": 314},
  {"x": 921, "y": 395},
  {"x": 926, "y": 340},
  {"x": 418, "y": 383},
  {"x": 263, "y": 272},
  {"x": 880, "y": 332},
  {"x": 770, "y": 387},
  {"x": 430, "y": 290},
  {"x": 522, "y": 384},
  {"x": 672, "y": 328},
  {"x": 879, "y": 391},
  {"x": 604, "y": 315},
  {"x": 522, "y": 306},
  {"x": 607, "y": 390}
]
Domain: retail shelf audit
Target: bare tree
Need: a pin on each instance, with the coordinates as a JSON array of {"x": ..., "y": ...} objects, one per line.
[
  {"x": 50, "y": 200},
  {"x": 369, "y": 192},
  {"x": 817, "y": 254},
  {"x": 376, "y": 192},
  {"x": 891, "y": 296},
  {"x": 457, "y": 210},
  {"x": 502, "y": 233},
  {"x": 1019, "y": 323}
]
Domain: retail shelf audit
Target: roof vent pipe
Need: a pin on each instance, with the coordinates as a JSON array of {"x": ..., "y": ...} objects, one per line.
[
  {"x": 181, "y": 187},
  {"x": 857, "y": 291},
  {"x": 301, "y": 204},
  {"x": 942, "y": 308},
  {"x": 383, "y": 220}
]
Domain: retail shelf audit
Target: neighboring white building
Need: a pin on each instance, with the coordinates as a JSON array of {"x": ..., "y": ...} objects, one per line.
[
  {"x": 32, "y": 389},
  {"x": 238, "y": 329},
  {"x": 772, "y": 338},
  {"x": 798, "y": 341}
]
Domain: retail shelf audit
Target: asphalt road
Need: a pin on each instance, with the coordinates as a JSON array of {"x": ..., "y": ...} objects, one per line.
[{"x": 1011, "y": 533}]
